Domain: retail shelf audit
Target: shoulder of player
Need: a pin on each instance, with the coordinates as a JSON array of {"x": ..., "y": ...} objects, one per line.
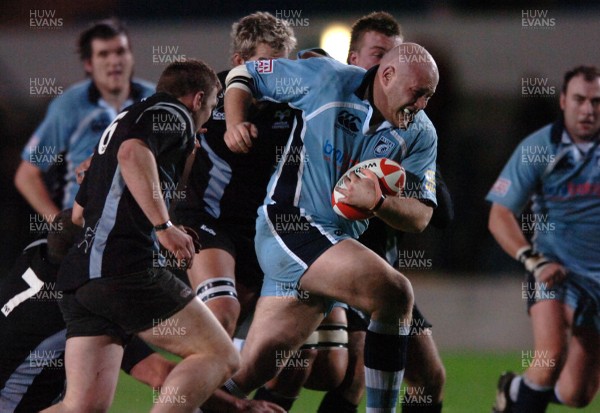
[
  {"x": 542, "y": 136},
  {"x": 74, "y": 97}
]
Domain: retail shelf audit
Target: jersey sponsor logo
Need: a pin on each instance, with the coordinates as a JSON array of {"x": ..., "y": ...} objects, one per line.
[
  {"x": 264, "y": 66},
  {"x": 217, "y": 115},
  {"x": 348, "y": 121},
  {"x": 501, "y": 186},
  {"x": 430, "y": 181},
  {"x": 383, "y": 147},
  {"x": 209, "y": 230},
  {"x": 340, "y": 157}
]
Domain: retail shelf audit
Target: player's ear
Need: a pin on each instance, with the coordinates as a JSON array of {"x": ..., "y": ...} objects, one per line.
[
  {"x": 352, "y": 58},
  {"x": 237, "y": 60},
  {"x": 197, "y": 101},
  {"x": 387, "y": 75},
  {"x": 563, "y": 101},
  {"x": 87, "y": 66}
]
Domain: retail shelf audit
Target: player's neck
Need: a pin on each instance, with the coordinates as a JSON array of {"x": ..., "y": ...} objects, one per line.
[{"x": 116, "y": 99}]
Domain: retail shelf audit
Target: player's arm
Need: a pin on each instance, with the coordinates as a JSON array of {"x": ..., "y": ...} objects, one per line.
[
  {"x": 405, "y": 214},
  {"x": 77, "y": 215},
  {"x": 30, "y": 183},
  {"x": 506, "y": 231},
  {"x": 237, "y": 100},
  {"x": 139, "y": 170}
]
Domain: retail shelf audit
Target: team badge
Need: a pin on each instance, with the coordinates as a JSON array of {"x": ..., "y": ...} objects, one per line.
[
  {"x": 264, "y": 66},
  {"x": 383, "y": 147},
  {"x": 501, "y": 186}
]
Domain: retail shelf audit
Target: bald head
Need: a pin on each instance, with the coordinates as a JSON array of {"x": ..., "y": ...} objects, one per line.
[
  {"x": 414, "y": 58},
  {"x": 407, "y": 77}
]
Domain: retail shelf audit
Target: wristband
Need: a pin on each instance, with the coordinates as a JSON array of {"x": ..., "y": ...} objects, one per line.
[
  {"x": 533, "y": 261},
  {"x": 378, "y": 204},
  {"x": 162, "y": 227}
]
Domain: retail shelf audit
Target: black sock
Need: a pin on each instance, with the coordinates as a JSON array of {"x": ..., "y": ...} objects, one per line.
[
  {"x": 333, "y": 402},
  {"x": 530, "y": 400},
  {"x": 265, "y": 394},
  {"x": 422, "y": 408}
]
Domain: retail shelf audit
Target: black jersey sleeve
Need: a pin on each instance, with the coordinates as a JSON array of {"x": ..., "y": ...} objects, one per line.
[{"x": 164, "y": 130}]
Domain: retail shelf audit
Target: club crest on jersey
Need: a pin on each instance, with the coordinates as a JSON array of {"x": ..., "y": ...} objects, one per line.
[
  {"x": 501, "y": 186},
  {"x": 383, "y": 147},
  {"x": 281, "y": 119},
  {"x": 264, "y": 66}
]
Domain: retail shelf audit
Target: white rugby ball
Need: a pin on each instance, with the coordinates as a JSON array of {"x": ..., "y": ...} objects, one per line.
[{"x": 392, "y": 178}]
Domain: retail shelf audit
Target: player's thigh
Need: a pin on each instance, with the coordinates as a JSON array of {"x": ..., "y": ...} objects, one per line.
[
  {"x": 192, "y": 330},
  {"x": 351, "y": 273},
  {"x": 211, "y": 263},
  {"x": 580, "y": 377},
  {"x": 280, "y": 324},
  {"x": 92, "y": 365}
]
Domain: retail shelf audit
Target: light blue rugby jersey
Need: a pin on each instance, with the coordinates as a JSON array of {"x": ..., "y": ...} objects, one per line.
[
  {"x": 71, "y": 129},
  {"x": 329, "y": 133},
  {"x": 563, "y": 183}
]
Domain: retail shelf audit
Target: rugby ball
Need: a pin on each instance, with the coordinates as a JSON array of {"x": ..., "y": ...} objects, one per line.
[{"x": 391, "y": 181}]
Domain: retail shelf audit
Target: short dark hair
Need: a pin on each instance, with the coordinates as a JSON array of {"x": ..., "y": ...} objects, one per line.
[
  {"x": 189, "y": 76},
  {"x": 590, "y": 73},
  {"x": 63, "y": 238},
  {"x": 378, "y": 21},
  {"x": 103, "y": 29}
]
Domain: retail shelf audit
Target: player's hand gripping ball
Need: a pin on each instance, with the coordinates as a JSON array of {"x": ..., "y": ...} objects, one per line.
[{"x": 391, "y": 178}]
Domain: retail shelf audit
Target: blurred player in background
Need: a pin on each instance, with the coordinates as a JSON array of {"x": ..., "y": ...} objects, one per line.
[
  {"x": 111, "y": 286},
  {"x": 32, "y": 343},
  {"x": 75, "y": 120},
  {"x": 557, "y": 168},
  {"x": 331, "y": 265}
]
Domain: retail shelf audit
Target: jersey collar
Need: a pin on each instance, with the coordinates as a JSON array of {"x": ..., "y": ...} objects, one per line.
[{"x": 135, "y": 92}]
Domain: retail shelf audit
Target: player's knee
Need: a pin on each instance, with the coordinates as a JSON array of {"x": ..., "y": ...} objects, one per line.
[
  {"x": 230, "y": 361},
  {"x": 394, "y": 294},
  {"x": 220, "y": 295}
]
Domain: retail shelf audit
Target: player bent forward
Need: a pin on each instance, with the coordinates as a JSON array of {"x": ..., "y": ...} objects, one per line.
[
  {"x": 323, "y": 260},
  {"x": 111, "y": 289}
]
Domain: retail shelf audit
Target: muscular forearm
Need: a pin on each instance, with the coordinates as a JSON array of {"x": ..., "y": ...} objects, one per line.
[
  {"x": 504, "y": 227},
  {"x": 405, "y": 214},
  {"x": 29, "y": 182},
  {"x": 140, "y": 173},
  {"x": 236, "y": 104}
]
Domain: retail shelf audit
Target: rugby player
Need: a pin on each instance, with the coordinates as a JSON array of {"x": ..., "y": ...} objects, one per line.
[
  {"x": 371, "y": 37},
  {"x": 562, "y": 261},
  {"x": 46, "y": 176},
  {"x": 331, "y": 265},
  {"x": 32, "y": 344},
  {"x": 111, "y": 289}
]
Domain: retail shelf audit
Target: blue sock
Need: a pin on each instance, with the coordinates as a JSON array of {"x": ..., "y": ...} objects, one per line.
[
  {"x": 532, "y": 398},
  {"x": 385, "y": 357}
]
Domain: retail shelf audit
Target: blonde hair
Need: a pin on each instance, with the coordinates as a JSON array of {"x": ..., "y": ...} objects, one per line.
[{"x": 261, "y": 27}]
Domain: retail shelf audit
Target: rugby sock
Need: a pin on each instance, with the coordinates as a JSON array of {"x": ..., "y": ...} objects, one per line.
[
  {"x": 334, "y": 402},
  {"x": 555, "y": 398},
  {"x": 422, "y": 408},
  {"x": 272, "y": 396},
  {"x": 532, "y": 398},
  {"x": 385, "y": 357}
]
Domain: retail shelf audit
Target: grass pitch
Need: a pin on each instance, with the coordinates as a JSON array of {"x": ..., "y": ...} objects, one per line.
[{"x": 470, "y": 387}]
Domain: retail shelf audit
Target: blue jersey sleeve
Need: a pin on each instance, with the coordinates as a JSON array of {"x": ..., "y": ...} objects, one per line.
[
  {"x": 50, "y": 139},
  {"x": 521, "y": 175},
  {"x": 291, "y": 81}
]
